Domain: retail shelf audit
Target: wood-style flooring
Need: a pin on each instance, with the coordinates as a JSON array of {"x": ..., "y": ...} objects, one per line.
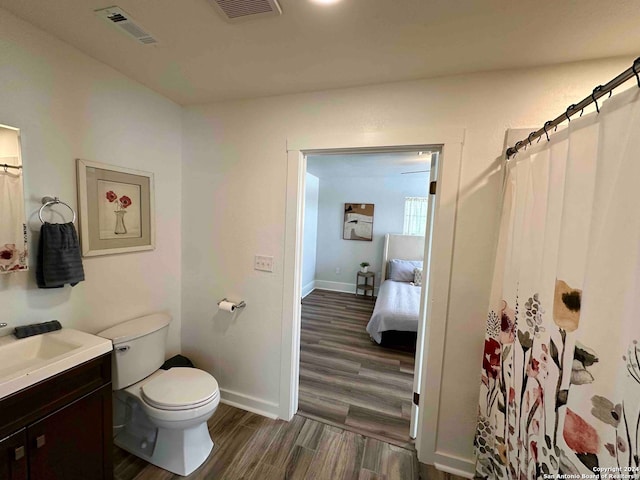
[
  {"x": 347, "y": 380},
  {"x": 252, "y": 447}
]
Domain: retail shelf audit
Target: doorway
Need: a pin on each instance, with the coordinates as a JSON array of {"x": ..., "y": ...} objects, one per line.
[
  {"x": 448, "y": 177},
  {"x": 357, "y": 369}
]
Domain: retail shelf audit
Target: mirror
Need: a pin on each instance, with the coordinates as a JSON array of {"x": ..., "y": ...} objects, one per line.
[{"x": 13, "y": 227}]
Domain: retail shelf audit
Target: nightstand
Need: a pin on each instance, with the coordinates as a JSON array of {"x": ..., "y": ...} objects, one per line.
[{"x": 362, "y": 283}]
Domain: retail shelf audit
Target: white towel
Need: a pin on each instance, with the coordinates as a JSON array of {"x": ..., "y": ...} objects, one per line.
[{"x": 13, "y": 230}]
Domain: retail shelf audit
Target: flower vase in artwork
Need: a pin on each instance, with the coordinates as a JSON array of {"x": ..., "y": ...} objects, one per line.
[
  {"x": 120, "y": 226},
  {"x": 121, "y": 204}
]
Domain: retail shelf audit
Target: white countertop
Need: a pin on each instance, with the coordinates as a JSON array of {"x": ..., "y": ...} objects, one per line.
[{"x": 27, "y": 361}]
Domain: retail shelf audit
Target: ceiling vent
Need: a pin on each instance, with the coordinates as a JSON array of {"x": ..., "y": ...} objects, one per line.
[
  {"x": 122, "y": 20},
  {"x": 237, "y": 10}
]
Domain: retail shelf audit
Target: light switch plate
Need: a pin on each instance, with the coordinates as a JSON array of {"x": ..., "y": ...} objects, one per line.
[{"x": 263, "y": 263}]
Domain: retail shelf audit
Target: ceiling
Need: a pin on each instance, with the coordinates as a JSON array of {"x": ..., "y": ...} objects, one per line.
[
  {"x": 203, "y": 58},
  {"x": 369, "y": 164}
]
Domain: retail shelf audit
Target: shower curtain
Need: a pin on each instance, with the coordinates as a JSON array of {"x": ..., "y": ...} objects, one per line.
[
  {"x": 13, "y": 230},
  {"x": 560, "y": 391}
]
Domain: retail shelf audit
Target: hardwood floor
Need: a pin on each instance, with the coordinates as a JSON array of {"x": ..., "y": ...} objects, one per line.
[
  {"x": 354, "y": 385},
  {"x": 346, "y": 379},
  {"x": 248, "y": 446}
]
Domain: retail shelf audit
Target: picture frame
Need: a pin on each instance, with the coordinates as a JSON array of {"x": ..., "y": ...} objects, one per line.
[
  {"x": 358, "y": 221},
  {"x": 116, "y": 207}
]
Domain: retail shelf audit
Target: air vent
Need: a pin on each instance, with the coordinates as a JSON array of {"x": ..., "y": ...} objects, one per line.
[
  {"x": 122, "y": 20},
  {"x": 237, "y": 10}
]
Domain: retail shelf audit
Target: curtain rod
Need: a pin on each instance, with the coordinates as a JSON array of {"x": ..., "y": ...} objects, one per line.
[
  {"x": 5, "y": 166},
  {"x": 599, "y": 91}
]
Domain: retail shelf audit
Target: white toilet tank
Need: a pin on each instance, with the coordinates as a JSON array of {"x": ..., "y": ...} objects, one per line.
[{"x": 139, "y": 348}]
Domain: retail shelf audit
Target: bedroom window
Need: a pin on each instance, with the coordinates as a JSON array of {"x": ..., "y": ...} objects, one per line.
[{"x": 415, "y": 215}]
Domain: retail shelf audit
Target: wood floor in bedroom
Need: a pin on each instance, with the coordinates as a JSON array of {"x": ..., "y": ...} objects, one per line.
[{"x": 347, "y": 380}]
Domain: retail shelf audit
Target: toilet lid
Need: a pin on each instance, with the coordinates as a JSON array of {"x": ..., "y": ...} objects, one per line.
[{"x": 180, "y": 387}]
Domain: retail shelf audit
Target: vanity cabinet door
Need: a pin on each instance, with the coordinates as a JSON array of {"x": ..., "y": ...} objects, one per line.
[
  {"x": 73, "y": 442},
  {"x": 13, "y": 462}
]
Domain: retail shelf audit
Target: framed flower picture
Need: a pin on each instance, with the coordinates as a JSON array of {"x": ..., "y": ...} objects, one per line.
[{"x": 116, "y": 209}]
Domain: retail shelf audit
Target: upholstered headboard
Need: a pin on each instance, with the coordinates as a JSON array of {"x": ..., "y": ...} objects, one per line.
[{"x": 402, "y": 247}]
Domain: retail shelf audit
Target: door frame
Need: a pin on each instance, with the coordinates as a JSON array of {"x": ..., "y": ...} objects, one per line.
[{"x": 436, "y": 302}]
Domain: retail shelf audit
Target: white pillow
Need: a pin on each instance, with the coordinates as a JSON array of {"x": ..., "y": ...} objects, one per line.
[
  {"x": 402, "y": 270},
  {"x": 417, "y": 277}
]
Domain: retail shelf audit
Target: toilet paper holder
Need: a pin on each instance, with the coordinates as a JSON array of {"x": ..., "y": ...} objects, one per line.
[{"x": 242, "y": 303}]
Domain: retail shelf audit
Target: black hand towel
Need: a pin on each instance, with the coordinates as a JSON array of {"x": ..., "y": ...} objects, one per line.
[{"x": 59, "y": 260}]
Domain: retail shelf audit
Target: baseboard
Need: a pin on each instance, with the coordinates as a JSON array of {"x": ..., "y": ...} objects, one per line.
[
  {"x": 339, "y": 287},
  {"x": 308, "y": 288},
  {"x": 336, "y": 286},
  {"x": 251, "y": 404},
  {"x": 455, "y": 465}
]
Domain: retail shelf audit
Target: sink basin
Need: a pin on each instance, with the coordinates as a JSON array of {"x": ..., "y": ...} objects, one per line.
[
  {"x": 32, "y": 351},
  {"x": 25, "y": 362}
]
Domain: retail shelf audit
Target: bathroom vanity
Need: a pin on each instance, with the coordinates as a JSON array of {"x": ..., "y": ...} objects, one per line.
[{"x": 61, "y": 427}]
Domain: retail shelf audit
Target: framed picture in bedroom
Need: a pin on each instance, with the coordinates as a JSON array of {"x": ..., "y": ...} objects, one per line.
[
  {"x": 116, "y": 209},
  {"x": 358, "y": 221}
]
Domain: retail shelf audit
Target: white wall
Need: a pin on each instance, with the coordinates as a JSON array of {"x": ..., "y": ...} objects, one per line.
[
  {"x": 234, "y": 197},
  {"x": 70, "y": 106},
  {"x": 310, "y": 236},
  {"x": 387, "y": 194}
]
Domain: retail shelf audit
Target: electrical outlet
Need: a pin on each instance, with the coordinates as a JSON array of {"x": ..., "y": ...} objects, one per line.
[{"x": 263, "y": 263}]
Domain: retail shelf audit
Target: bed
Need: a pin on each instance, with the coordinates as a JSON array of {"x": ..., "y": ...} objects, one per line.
[{"x": 398, "y": 304}]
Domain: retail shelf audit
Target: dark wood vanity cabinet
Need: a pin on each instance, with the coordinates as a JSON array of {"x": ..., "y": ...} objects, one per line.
[
  {"x": 60, "y": 428},
  {"x": 13, "y": 464}
]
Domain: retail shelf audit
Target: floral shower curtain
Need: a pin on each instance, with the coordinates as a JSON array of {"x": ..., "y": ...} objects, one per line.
[{"x": 560, "y": 391}]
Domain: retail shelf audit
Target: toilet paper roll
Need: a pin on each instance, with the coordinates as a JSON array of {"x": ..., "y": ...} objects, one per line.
[{"x": 227, "y": 306}]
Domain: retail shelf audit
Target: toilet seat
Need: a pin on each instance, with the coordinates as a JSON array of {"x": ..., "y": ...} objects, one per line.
[{"x": 180, "y": 388}]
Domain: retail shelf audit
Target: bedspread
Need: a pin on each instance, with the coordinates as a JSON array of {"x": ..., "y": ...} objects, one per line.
[{"x": 397, "y": 308}]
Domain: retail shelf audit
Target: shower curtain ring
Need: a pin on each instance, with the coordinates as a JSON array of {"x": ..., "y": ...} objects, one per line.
[
  {"x": 517, "y": 146},
  {"x": 529, "y": 137},
  {"x": 635, "y": 71},
  {"x": 546, "y": 124},
  {"x": 593, "y": 97}
]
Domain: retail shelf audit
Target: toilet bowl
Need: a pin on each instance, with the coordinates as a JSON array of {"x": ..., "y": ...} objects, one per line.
[
  {"x": 159, "y": 415},
  {"x": 177, "y": 398}
]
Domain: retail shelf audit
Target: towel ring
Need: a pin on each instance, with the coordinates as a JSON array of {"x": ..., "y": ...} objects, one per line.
[{"x": 46, "y": 201}]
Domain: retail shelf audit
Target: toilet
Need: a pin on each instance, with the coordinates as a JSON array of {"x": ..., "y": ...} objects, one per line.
[{"x": 159, "y": 415}]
